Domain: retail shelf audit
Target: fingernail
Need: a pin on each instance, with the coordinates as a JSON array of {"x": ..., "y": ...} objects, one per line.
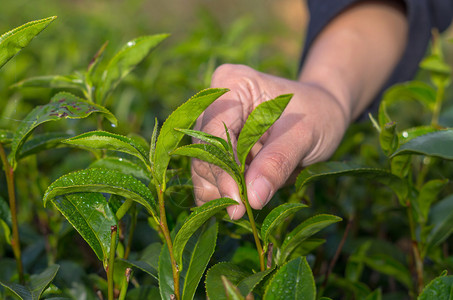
[
  {"x": 261, "y": 188},
  {"x": 235, "y": 206},
  {"x": 234, "y": 212}
]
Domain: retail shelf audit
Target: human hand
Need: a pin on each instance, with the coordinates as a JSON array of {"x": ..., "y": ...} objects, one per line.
[{"x": 308, "y": 131}]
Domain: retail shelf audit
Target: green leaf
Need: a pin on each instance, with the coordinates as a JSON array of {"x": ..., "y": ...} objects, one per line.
[
  {"x": 212, "y": 155},
  {"x": 124, "y": 166},
  {"x": 306, "y": 229},
  {"x": 428, "y": 194},
  {"x": 13, "y": 41},
  {"x": 388, "y": 138},
  {"x": 414, "y": 132},
  {"x": 441, "y": 220},
  {"x": 91, "y": 216},
  {"x": 96, "y": 59},
  {"x": 230, "y": 290},
  {"x": 152, "y": 144},
  {"x": 103, "y": 181},
  {"x": 148, "y": 260},
  {"x": 38, "y": 283},
  {"x": 198, "y": 256},
  {"x": 6, "y": 136},
  {"x": 354, "y": 267},
  {"x": 166, "y": 284},
  {"x": 375, "y": 295},
  {"x": 387, "y": 265},
  {"x": 102, "y": 140},
  {"x": 194, "y": 221},
  {"x": 214, "y": 284},
  {"x": 439, "y": 288},
  {"x": 183, "y": 117},
  {"x": 246, "y": 285},
  {"x": 333, "y": 169},
  {"x": 277, "y": 216},
  {"x": 5, "y": 213},
  {"x": 62, "y": 105},
  {"x": 258, "y": 122},
  {"x": 53, "y": 82},
  {"x": 294, "y": 280},
  {"x": 437, "y": 144},
  {"x": 124, "y": 62},
  {"x": 206, "y": 137},
  {"x": 41, "y": 142}
]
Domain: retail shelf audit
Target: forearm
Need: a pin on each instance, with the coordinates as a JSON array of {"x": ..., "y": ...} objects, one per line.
[{"x": 355, "y": 54}]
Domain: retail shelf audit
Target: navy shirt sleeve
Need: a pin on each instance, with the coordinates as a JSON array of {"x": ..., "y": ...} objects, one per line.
[{"x": 422, "y": 15}]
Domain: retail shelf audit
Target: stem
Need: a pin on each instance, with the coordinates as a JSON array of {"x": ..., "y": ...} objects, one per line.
[
  {"x": 111, "y": 288},
  {"x": 123, "y": 209},
  {"x": 416, "y": 251},
  {"x": 125, "y": 283},
  {"x": 261, "y": 253},
  {"x": 15, "y": 241},
  {"x": 166, "y": 232},
  {"x": 439, "y": 97},
  {"x": 131, "y": 231}
]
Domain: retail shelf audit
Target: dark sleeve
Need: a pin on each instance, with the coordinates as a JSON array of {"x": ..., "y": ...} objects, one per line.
[{"x": 422, "y": 15}]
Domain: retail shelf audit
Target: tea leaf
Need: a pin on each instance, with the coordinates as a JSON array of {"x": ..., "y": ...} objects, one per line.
[
  {"x": 102, "y": 140},
  {"x": 389, "y": 266},
  {"x": 246, "y": 285},
  {"x": 152, "y": 144},
  {"x": 148, "y": 260},
  {"x": 214, "y": 285},
  {"x": 440, "y": 218},
  {"x": 53, "y": 82},
  {"x": 198, "y": 256},
  {"x": 13, "y": 41},
  {"x": 6, "y": 136},
  {"x": 388, "y": 138},
  {"x": 231, "y": 291},
  {"x": 102, "y": 181},
  {"x": 5, "y": 213},
  {"x": 333, "y": 169},
  {"x": 375, "y": 295},
  {"x": 41, "y": 142},
  {"x": 124, "y": 166},
  {"x": 437, "y": 144},
  {"x": 194, "y": 221},
  {"x": 276, "y": 216},
  {"x": 258, "y": 122},
  {"x": 206, "y": 137},
  {"x": 124, "y": 62},
  {"x": 294, "y": 280},
  {"x": 212, "y": 155},
  {"x": 166, "y": 284},
  {"x": 62, "y": 105},
  {"x": 414, "y": 132},
  {"x": 96, "y": 59},
  {"x": 183, "y": 117},
  {"x": 428, "y": 194},
  {"x": 306, "y": 229},
  {"x": 439, "y": 288}
]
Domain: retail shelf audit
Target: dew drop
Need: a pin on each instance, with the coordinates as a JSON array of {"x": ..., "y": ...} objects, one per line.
[
  {"x": 113, "y": 125},
  {"x": 405, "y": 134},
  {"x": 130, "y": 44}
]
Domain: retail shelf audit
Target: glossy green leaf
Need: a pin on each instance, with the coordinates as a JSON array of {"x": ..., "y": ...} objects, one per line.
[
  {"x": 257, "y": 123},
  {"x": 148, "y": 261},
  {"x": 439, "y": 288},
  {"x": 6, "y": 136},
  {"x": 166, "y": 284},
  {"x": 437, "y": 144},
  {"x": 91, "y": 216},
  {"x": 231, "y": 291},
  {"x": 246, "y": 285},
  {"x": 183, "y": 117},
  {"x": 102, "y": 140},
  {"x": 388, "y": 138},
  {"x": 194, "y": 221},
  {"x": 62, "y": 105},
  {"x": 294, "y": 280},
  {"x": 41, "y": 142},
  {"x": 414, "y": 132},
  {"x": 198, "y": 254},
  {"x": 428, "y": 194},
  {"x": 125, "y": 61},
  {"x": 206, "y": 137},
  {"x": 212, "y": 155},
  {"x": 277, "y": 216},
  {"x": 441, "y": 220},
  {"x": 214, "y": 284},
  {"x": 306, "y": 229},
  {"x": 53, "y": 82},
  {"x": 103, "y": 181},
  {"x": 152, "y": 144},
  {"x": 37, "y": 285},
  {"x": 13, "y": 41},
  {"x": 387, "y": 265},
  {"x": 124, "y": 166},
  {"x": 333, "y": 169}
]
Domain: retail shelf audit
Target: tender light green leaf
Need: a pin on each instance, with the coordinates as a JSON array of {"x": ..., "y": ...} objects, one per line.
[
  {"x": 166, "y": 284},
  {"x": 53, "y": 82},
  {"x": 437, "y": 144},
  {"x": 246, "y": 285},
  {"x": 125, "y": 61},
  {"x": 306, "y": 229},
  {"x": 183, "y": 117},
  {"x": 306, "y": 247},
  {"x": 401, "y": 165},
  {"x": 13, "y": 41},
  {"x": 102, "y": 140},
  {"x": 206, "y": 137},
  {"x": 214, "y": 284},
  {"x": 62, "y": 105},
  {"x": 413, "y": 90},
  {"x": 5, "y": 213},
  {"x": 148, "y": 260},
  {"x": 258, "y": 122},
  {"x": 439, "y": 288},
  {"x": 38, "y": 283},
  {"x": 6, "y": 231},
  {"x": 354, "y": 267},
  {"x": 389, "y": 266},
  {"x": 294, "y": 280},
  {"x": 96, "y": 59},
  {"x": 414, "y": 132},
  {"x": 441, "y": 220},
  {"x": 200, "y": 250},
  {"x": 388, "y": 138},
  {"x": 194, "y": 221},
  {"x": 212, "y": 155},
  {"x": 152, "y": 144},
  {"x": 103, "y": 181},
  {"x": 124, "y": 166},
  {"x": 333, "y": 169},
  {"x": 428, "y": 194},
  {"x": 230, "y": 290},
  {"x": 6, "y": 136},
  {"x": 90, "y": 215},
  {"x": 41, "y": 142},
  {"x": 276, "y": 216}
]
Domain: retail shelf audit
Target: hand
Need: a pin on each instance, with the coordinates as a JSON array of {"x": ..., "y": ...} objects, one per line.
[{"x": 308, "y": 131}]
